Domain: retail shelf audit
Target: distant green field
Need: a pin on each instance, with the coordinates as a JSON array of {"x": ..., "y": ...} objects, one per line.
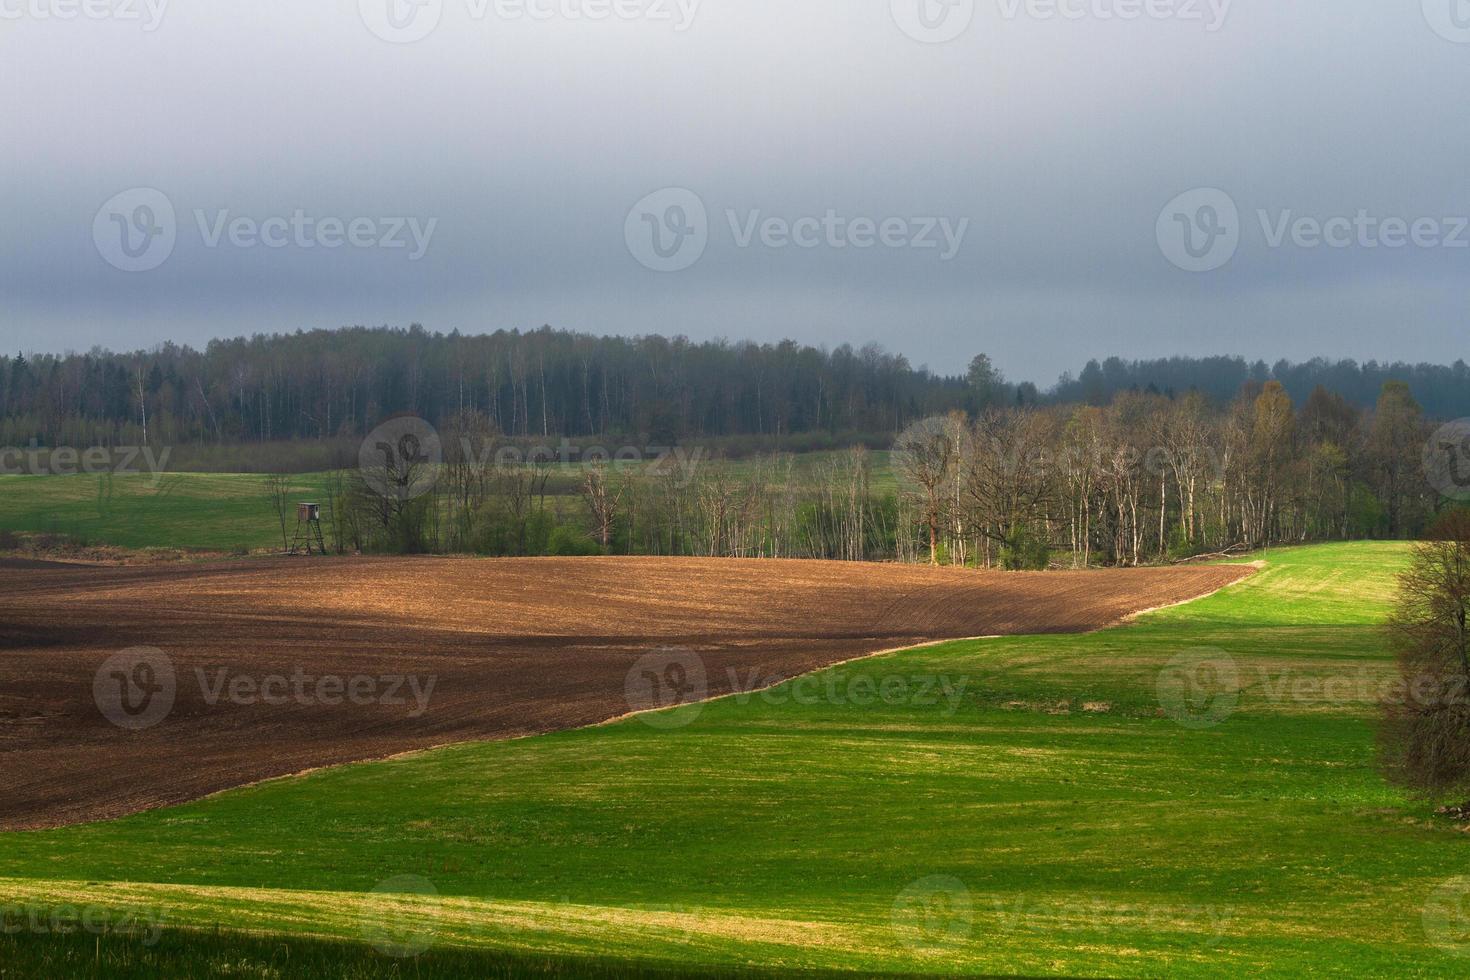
[
  {"x": 211, "y": 511},
  {"x": 221, "y": 511},
  {"x": 1077, "y": 812}
]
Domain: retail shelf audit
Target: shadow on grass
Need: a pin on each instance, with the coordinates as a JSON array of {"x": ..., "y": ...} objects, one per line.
[{"x": 70, "y": 952}]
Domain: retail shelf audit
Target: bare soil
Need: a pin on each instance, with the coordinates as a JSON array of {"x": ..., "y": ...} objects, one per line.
[{"x": 513, "y": 647}]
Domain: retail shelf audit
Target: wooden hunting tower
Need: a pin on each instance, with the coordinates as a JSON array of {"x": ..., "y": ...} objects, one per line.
[{"x": 308, "y": 530}]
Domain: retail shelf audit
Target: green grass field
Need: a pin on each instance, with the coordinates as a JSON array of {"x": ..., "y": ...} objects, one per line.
[
  {"x": 1076, "y": 811},
  {"x": 227, "y": 511},
  {"x": 205, "y": 511}
]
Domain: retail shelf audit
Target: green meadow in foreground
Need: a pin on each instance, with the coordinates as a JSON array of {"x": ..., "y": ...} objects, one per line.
[{"x": 1029, "y": 805}]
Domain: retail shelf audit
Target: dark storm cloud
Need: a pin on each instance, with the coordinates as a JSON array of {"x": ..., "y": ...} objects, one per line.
[{"x": 825, "y": 145}]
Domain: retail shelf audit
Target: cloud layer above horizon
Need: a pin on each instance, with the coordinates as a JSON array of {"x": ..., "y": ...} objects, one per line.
[{"x": 1043, "y": 180}]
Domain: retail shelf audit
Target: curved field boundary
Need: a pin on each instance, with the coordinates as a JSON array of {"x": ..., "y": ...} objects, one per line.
[{"x": 448, "y": 650}]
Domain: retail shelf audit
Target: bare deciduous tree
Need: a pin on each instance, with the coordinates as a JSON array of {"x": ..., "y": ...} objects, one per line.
[
  {"x": 1426, "y": 728},
  {"x": 469, "y": 448},
  {"x": 604, "y": 498},
  {"x": 278, "y": 490},
  {"x": 924, "y": 454},
  {"x": 1010, "y": 482}
]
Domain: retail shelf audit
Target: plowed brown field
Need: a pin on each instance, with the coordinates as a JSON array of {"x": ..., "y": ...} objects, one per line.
[{"x": 514, "y": 647}]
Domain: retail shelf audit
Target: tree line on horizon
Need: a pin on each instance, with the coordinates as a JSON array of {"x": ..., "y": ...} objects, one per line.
[
  {"x": 1143, "y": 479},
  {"x": 547, "y": 384}
]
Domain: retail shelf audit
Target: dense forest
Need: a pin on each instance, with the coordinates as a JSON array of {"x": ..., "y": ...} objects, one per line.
[
  {"x": 1444, "y": 392},
  {"x": 321, "y": 385},
  {"x": 541, "y": 384}
]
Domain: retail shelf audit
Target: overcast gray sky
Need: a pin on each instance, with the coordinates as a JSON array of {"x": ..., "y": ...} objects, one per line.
[{"x": 527, "y": 148}]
